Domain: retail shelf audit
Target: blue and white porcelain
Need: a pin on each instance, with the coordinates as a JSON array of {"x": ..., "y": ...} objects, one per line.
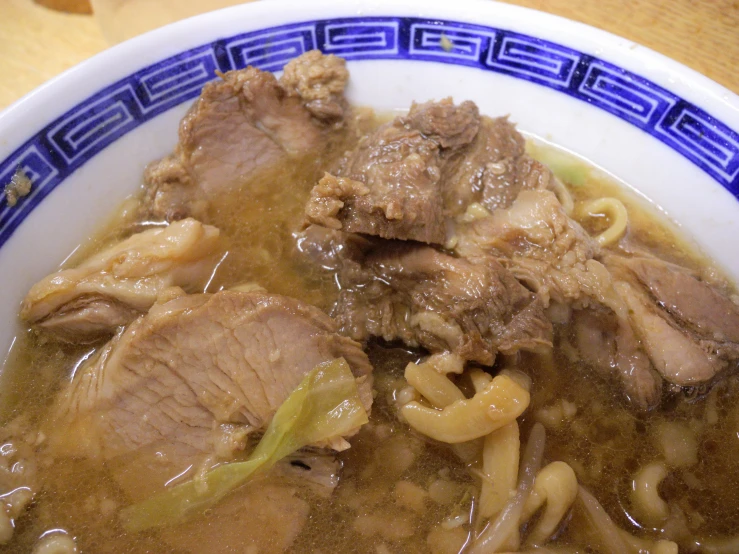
[{"x": 85, "y": 137}]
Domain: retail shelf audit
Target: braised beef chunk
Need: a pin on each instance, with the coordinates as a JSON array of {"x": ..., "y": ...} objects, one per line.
[
  {"x": 451, "y": 127},
  {"x": 246, "y": 122},
  {"x": 394, "y": 174},
  {"x": 424, "y": 297},
  {"x": 410, "y": 176},
  {"x": 319, "y": 81},
  {"x": 492, "y": 170},
  {"x": 390, "y": 185},
  {"x": 194, "y": 367},
  {"x": 329, "y": 248},
  {"x": 330, "y": 196}
]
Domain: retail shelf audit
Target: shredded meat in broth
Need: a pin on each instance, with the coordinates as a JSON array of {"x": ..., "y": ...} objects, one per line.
[{"x": 316, "y": 329}]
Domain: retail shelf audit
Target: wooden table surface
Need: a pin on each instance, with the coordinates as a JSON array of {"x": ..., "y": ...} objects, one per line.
[{"x": 37, "y": 44}]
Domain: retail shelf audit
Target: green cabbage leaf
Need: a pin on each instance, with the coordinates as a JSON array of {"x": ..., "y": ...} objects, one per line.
[{"x": 326, "y": 404}]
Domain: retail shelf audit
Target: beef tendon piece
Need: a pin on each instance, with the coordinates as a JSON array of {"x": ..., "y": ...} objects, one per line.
[{"x": 118, "y": 284}]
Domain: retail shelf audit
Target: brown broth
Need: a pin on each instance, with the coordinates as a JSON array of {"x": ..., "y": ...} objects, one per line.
[{"x": 606, "y": 442}]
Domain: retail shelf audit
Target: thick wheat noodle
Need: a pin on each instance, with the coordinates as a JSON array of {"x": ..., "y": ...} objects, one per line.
[
  {"x": 563, "y": 195},
  {"x": 645, "y": 494},
  {"x": 480, "y": 379},
  {"x": 555, "y": 488},
  {"x": 432, "y": 385},
  {"x": 616, "y": 211},
  {"x": 500, "y": 454},
  {"x": 501, "y": 402}
]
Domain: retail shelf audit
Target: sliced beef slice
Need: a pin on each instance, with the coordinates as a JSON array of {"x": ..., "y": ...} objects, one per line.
[
  {"x": 246, "y": 122},
  {"x": 425, "y": 297},
  {"x": 266, "y": 515},
  {"x": 679, "y": 359},
  {"x": 115, "y": 286},
  {"x": 193, "y": 367},
  {"x": 260, "y": 517},
  {"x": 693, "y": 303},
  {"x": 689, "y": 328}
]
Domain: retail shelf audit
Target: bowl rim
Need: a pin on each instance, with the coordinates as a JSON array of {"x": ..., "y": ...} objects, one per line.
[{"x": 672, "y": 92}]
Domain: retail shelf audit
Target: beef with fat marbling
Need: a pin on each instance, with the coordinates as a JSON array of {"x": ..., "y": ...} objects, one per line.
[
  {"x": 689, "y": 329},
  {"x": 608, "y": 344},
  {"x": 556, "y": 258}
]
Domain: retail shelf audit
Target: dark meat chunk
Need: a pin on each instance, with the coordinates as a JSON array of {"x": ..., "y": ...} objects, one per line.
[
  {"x": 407, "y": 179},
  {"x": 192, "y": 367},
  {"x": 451, "y": 127},
  {"x": 424, "y": 297},
  {"x": 390, "y": 185},
  {"x": 398, "y": 172},
  {"x": 329, "y": 248},
  {"x": 492, "y": 170},
  {"x": 247, "y": 122},
  {"x": 330, "y": 196}
]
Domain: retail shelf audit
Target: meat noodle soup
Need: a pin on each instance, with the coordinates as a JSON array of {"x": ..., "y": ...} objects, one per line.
[{"x": 127, "y": 383}]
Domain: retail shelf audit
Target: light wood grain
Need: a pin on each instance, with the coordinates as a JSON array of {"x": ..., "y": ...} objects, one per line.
[
  {"x": 36, "y": 44},
  {"x": 702, "y": 34}
]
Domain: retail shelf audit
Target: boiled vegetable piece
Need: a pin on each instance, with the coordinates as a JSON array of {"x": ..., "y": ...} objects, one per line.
[{"x": 326, "y": 404}]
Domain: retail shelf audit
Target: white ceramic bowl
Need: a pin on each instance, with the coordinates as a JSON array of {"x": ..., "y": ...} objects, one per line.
[{"x": 85, "y": 137}]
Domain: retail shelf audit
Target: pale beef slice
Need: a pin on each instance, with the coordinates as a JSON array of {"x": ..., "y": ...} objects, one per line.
[
  {"x": 245, "y": 122},
  {"x": 194, "y": 363},
  {"x": 116, "y": 285}
]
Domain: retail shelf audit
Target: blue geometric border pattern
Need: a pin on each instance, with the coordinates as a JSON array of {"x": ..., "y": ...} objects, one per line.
[{"x": 56, "y": 151}]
